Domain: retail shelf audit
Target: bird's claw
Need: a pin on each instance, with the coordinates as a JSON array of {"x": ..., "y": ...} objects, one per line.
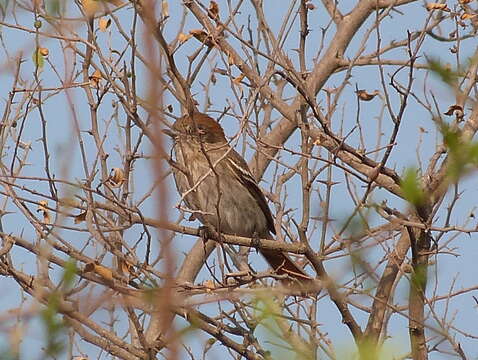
[
  {"x": 204, "y": 233},
  {"x": 255, "y": 241}
]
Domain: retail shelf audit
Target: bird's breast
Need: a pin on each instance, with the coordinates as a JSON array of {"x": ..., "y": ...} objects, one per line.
[{"x": 212, "y": 189}]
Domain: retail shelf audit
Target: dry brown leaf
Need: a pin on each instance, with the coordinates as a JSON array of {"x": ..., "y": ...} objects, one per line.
[
  {"x": 437, "y": 6},
  {"x": 407, "y": 268},
  {"x": 116, "y": 178},
  {"x": 213, "y": 11},
  {"x": 96, "y": 75},
  {"x": 42, "y": 207},
  {"x": 127, "y": 268},
  {"x": 102, "y": 271},
  {"x": 237, "y": 80},
  {"x": 365, "y": 96},
  {"x": 89, "y": 267},
  {"x": 43, "y": 51},
  {"x": 202, "y": 36},
  {"x": 230, "y": 59},
  {"x": 104, "y": 23},
  {"x": 209, "y": 285},
  {"x": 80, "y": 217},
  {"x": 466, "y": 16},
  {"x": 165, "y": 9},
  {"x": 464, "y": 2},
  {"x": 95, "y": 79},
  {"x": 114, "y": 2},
  {"x": 182, "y": 38},
  {"x": 46, "y": 217},
  {"x": 91, "y": 7},
  {"x": 456, "y": 110}
]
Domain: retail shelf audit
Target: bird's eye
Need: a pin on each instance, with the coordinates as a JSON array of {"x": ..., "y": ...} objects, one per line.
[{"x": 201, "y": 130}]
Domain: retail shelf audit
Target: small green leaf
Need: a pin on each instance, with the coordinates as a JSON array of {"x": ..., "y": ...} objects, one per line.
[
  {"x": 54, "y": 7},
  {"x": 463, "y": 154},
  {"x": 211, "y": 341},
  {"x": 38, "y": 59},
  {"x": 411, "y": 188},
  {"x": 54, "y": 326},
  {"x": 451, "y": 138},
  {"x": 419, "y": 277},
  {"x": 444, "y": 72},
  {"x": 369, "y": 350},
  {"x": 70, "y": 273},
  {"x": 474, "y": 153}
]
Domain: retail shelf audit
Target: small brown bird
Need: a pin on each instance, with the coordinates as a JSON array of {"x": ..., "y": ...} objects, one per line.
[{"x": 217, "y": 183}]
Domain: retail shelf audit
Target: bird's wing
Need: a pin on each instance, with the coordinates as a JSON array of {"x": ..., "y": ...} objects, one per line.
[{"x": 241, "y": 170}]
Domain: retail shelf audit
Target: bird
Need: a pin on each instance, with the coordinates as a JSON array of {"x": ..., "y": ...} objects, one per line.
[{"x": 216, "y": 183}]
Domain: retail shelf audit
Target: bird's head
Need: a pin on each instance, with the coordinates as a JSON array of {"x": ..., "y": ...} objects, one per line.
[{"x": 198, "y": 127}]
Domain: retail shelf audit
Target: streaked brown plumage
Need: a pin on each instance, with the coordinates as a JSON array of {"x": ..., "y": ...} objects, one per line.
[{"x": 221, "y": 187}]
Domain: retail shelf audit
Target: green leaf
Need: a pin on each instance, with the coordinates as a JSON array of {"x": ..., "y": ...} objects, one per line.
[
  {"x": 211, "y": 341},
  {"x": 411, "y": 188},
  {"x": 54, "y": 7},
  {"x": 70, "y": 273},
  {"x": 38, "y": 59},
  {"x": 463, "y": 155},
  {"x": 54, "y": 326},
  {"x": 451, "y": 138},
  {"x": 444, "y": 72},
  {"x": 419, "y": 277}
]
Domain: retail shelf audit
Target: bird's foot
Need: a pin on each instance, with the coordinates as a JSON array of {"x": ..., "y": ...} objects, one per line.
[
  {"x": 205, "y": 233},
  {"x": 255, "y": 241}
]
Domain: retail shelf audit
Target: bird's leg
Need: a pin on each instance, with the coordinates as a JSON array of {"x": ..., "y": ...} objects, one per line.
[
  {"x": 205, "y": 233},
  {"x": 255, "y": 241}
]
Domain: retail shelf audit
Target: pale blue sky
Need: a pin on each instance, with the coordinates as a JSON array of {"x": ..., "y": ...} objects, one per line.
[{"x": 457, "y": 271}]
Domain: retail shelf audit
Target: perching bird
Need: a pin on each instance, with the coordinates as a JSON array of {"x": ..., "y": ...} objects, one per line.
[{"x": 217, "y": 183}]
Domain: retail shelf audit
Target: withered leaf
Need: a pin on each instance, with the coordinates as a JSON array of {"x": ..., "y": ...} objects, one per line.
[
  {"x": 202, "y": 36},
  {"x": 95, "y": 79},
  {"x": 104, "y": 23},
  {"x": 165, "y": 9},
  {"x": 116, "y": 178},
  {"x": 213, "y": 11},
  {"x": 365, "y": 96},
  {"x": 456, "y": 110},
  {"x": 80, "y": 217},
  {"x": 437, "y": 6},
  {"x": 182, "y": 38},
  {"x": 237, "y": 80},
  {"x": 102, "y": 271},
  {"x": 466, "y": 16},
  {"x": 42, "y": 207}
]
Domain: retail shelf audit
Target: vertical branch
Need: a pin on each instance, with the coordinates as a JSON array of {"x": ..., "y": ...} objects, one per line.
[{"x": 416, "y": 302}]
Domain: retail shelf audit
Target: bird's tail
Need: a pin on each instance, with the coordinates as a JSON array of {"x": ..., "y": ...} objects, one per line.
[{"x": 283, "y": 265}]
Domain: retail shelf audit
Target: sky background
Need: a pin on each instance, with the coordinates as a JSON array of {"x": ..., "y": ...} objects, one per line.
[{"x": 455, "y": 272}]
